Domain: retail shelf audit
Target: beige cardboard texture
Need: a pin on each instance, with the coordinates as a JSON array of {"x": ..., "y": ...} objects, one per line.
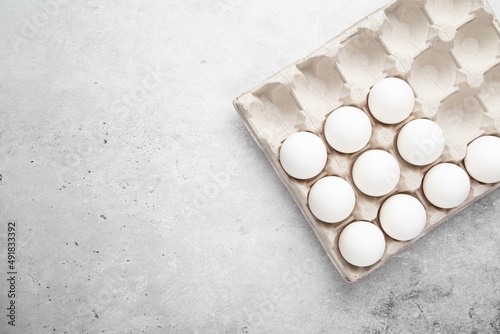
[{"x": 449, "y": 53}]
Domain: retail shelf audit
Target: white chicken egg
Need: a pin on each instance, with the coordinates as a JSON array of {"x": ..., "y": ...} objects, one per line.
[
  {"x": 376, "y": 173},
  {"x": 348, "y": 129},
  {"x": 402, "y": 217},
  {"x": 421, "y": 142},
  {"x": 303, "y": 155},
  {"x": 482, "y": 160},
  {"x": 446, "y": 185},
  {"x": 331, "y": 199},
  {"x": 391, "y": 100},
  {"x": 362, "y": 243}
]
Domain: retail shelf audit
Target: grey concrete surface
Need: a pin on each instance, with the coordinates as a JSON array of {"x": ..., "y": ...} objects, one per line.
[{"x": 143, "y": 206}]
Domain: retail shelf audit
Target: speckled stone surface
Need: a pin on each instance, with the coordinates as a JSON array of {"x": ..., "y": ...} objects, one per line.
[{"x": 143, "y": 205}]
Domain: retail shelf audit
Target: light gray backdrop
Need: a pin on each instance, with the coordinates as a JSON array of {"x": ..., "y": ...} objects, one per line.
[{"x": 144, "y": 206}]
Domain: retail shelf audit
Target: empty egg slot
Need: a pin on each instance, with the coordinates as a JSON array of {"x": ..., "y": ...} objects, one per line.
[
  {"x": 406, "y": 31},
  {"x": 449, "y": 13},
  {"x": 362, "y": 59},
  {"x": 476, "y": 44},
  {"x": 433, "y": 75},
  {"x": 460, "y": 116},
  {"x": 282, "y": 110},
  {"x": 318, "y": 85},
  {"x": 490, "y": 91}
]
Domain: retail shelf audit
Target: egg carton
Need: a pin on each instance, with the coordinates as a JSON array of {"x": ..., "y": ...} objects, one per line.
[{"x": 449, "y": 53}]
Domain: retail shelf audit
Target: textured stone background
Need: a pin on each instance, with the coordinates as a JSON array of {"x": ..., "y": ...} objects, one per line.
[{"x": 144, "y": 206}]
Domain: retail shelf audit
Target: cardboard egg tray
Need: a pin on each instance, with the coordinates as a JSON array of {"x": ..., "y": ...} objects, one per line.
[{"x": 449, "y": 53}]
